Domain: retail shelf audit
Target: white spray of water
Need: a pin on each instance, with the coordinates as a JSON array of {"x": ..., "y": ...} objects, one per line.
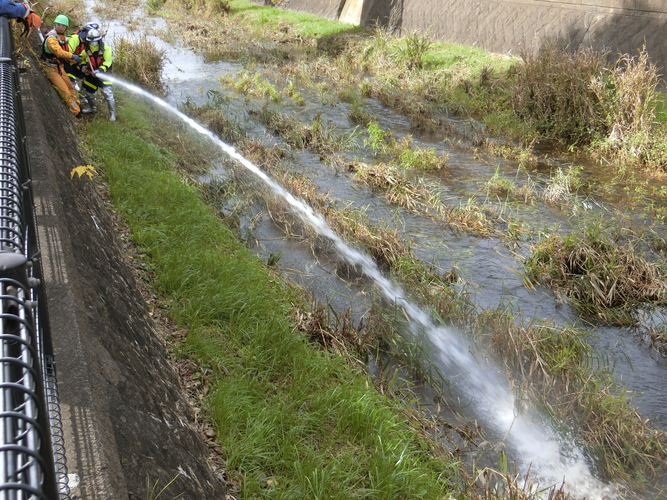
[{"x": 551, "y": 459}]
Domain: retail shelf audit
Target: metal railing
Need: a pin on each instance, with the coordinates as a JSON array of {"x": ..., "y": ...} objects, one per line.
[{"x": 32, "y": 459}]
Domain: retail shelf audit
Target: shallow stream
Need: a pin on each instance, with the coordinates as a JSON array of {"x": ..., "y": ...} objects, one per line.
[{"x": 489, "y": 268}]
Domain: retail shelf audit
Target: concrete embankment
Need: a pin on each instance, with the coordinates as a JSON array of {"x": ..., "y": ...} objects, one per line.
[{"x": 513, "y": 26}]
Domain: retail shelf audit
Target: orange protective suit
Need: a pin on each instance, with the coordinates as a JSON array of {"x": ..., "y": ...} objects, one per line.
[{"x": 54, "y": 55}]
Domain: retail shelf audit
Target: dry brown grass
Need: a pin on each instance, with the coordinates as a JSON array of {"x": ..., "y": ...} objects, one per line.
[
  {"x": 552, "y": 367},
  {"x": 316, "y": 135},
  {"x": 336, "y": 333},
  {"x": 396, "y": 186},
  {"x": 553, "y": 91},
  {"x": 605, "y": 278},
  {"x": 139, "y": 61},
  {"x": 49, "y": 10}
]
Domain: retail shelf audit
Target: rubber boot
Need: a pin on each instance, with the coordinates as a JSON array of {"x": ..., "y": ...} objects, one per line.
[
  {"x": 107, "y": 92},
  {"x": 87, "y": 103}
]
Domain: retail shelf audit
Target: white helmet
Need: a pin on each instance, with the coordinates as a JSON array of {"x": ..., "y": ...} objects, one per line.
[
  {"x": 90, "y": 25},
  {"x": 93, "y": 36}
]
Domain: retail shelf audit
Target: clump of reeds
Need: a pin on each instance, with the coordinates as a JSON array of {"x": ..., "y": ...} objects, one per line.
[
  {"x": 634, "y": 83},
  {"x": 317, "y": 135},
  {"x": 211, "y": 114},
  {"x": 503, "y": 187},
  {"x": 562, "y": 184},
  {"x": 402, "y": 151},
  {"x": 252, "y": 84},
  {"x": 491, "y": 484},
  {"x": 633, "y": 135},
  {"x": 358, "y": 114},
  {"x": 553, "y": 91},
  {"x": 521, "y": 154},
  {"x": 658, "y": 336},
  {"x": 138, "y": 60},
  {"x": 398, "y": 189},
  {"x": 470, "y": 216},
  {"x": 605, "y": 276},
  {"x": 579, "y": 98},
  {"x": 412, "y": 50}
]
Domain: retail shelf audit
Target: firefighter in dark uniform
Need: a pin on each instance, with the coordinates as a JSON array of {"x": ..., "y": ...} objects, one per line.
[{"x": 96, "y": 61}]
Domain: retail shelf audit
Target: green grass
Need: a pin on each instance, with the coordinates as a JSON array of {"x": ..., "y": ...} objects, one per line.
[
  {"x": 459, "y": 58},
  {"x": 295, "y": 422},
  {"x": 304, "y": 25},
  {"x": 661, "y": 107}
]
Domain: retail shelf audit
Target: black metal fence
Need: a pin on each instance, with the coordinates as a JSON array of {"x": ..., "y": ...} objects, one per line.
[{"x": 32, "y": 458}]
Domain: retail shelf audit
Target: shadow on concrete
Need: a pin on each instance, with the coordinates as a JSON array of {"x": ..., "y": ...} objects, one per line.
[
  {"x": 384, "y": 13},
  {"x": 639, "y": 27}
]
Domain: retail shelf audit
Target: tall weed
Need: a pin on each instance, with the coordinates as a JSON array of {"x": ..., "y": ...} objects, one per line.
[
  {"x": 413, "y": 49},
  {"x": 553, "y": 92},
  {"x": 580, "y": 99},
  {"x": 633, "y": 132},
  {"x": 140, "y": 61}
]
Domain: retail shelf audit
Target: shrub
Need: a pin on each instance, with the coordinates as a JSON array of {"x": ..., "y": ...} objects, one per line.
[{"x": 413, "y": 49}]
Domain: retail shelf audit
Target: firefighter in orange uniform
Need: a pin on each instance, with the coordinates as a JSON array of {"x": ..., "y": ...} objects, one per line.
[{"x": 55, "y": 52}]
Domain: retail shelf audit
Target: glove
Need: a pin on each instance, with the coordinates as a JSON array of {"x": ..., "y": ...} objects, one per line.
[
  {"x": 30, "y": 20},
  {"x": 76, "y": 58},
  {"x": 34, "y": 21},
  {"x": 85, "y": 69}
]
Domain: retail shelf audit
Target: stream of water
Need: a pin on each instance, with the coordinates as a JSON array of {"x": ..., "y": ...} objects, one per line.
[{"x": 551, "y": 458}]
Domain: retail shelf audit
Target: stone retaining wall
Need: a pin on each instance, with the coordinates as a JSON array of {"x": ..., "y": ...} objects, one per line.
[{"x": 512, "y": 26}]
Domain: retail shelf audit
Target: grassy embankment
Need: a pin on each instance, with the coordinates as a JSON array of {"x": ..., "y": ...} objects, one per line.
[{"x": 294, "y": 421}]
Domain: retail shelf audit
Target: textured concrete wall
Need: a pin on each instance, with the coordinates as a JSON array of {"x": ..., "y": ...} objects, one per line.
[
  {"x": 329, "y": 9},
  {"x": 512, "y": 26}
]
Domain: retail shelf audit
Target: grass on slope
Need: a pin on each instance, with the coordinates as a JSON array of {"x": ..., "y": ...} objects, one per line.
[{"x": 294, "y": 422}]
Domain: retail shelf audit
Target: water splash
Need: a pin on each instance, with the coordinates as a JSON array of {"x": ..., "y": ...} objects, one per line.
[{"x": 551, "y": 459}]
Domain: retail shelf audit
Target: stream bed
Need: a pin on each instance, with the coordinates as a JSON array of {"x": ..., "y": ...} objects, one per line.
[{"x": 489, "y": 269}]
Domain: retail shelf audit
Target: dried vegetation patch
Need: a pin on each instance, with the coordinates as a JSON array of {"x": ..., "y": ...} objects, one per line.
[{"x": 605, "y": 277}]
